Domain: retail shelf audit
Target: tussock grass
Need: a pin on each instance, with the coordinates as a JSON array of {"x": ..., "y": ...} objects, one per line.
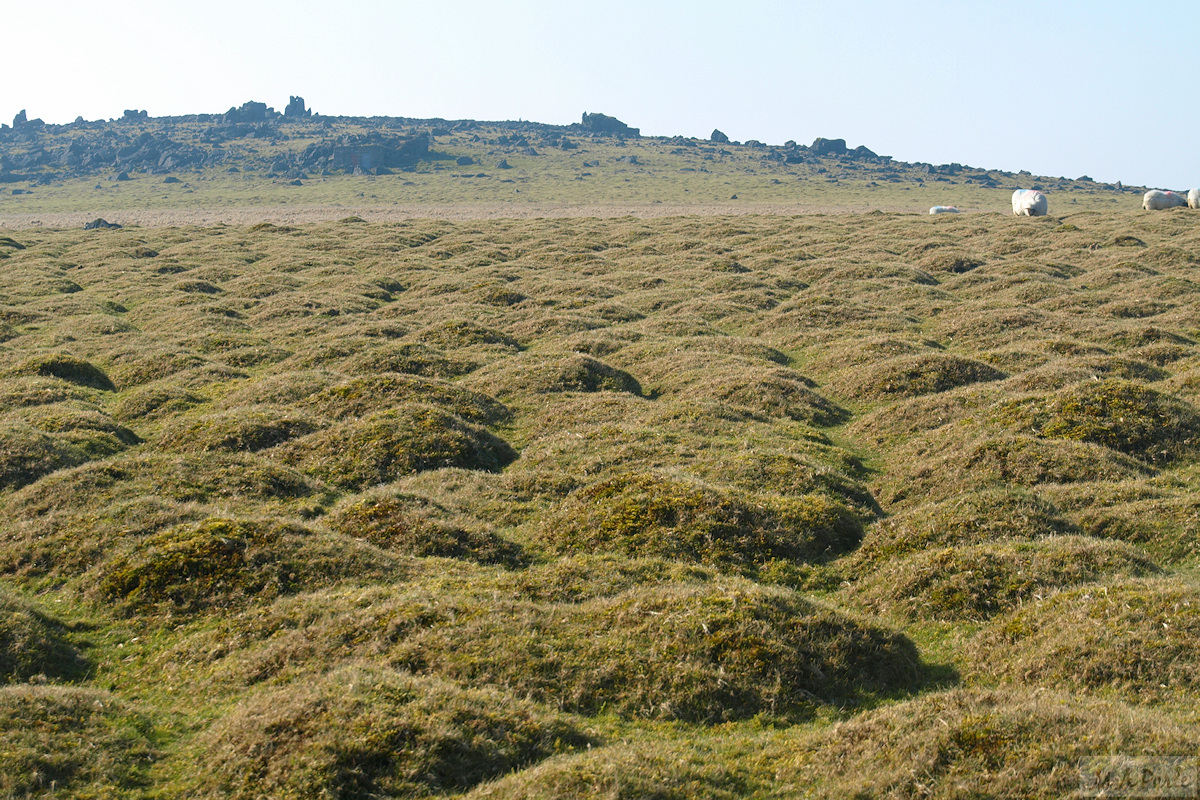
[
  {"x": 362, "y": 731},
  {"x": 33, "y": 645},
  {"x": 236, "y": 499},
  {"x": 1134, "y": 638},
  {"x": 980, "y": 581},
  {"x": 909, "y": 376},
  {"x": 646, "y": 514},
  {"x": 58, "y": 741},
  {"x": 997, "y": 514},
  {"x": 247, "y": 429},
  {"x": 1128, "y": 417},
  {"x": 417, "y": 526},
  {"x": 386, "y": 445},
  {"x": 971, "y": 742},
  {"x": 361, "y": 396}
]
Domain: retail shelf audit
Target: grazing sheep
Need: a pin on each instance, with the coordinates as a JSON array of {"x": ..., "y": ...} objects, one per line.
[
  {"x": 944, "y": 210},
  {"x": 1194, "y": 198},
  {"x": 1029, "y": 203},
  {"x": 1154, "y": 200}
]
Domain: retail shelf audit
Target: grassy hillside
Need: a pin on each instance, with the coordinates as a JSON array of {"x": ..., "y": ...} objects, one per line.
[
  {"x": 423, "y": 167},
  {"x": 719, "y": 506}
]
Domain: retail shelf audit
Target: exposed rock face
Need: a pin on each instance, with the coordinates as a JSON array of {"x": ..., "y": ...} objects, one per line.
[
  {"x": 828, "y": 147},
  {"x": 133, "y": 115},
  {"x": 295, "y": 108},
  {"x": 717, "y": 136},
  {"x": 602, "y": 123},
  {"x": 20, "y": 119},
  {"x": 249, "y": 112}
]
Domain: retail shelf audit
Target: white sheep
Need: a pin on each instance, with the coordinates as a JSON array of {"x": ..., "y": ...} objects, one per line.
[
  {"x": 1194, "y": 198},
  {"x": 944, "y": 210},
  {"x": 1154, "y": 200},
  {"x": 1029, "y": 203}
]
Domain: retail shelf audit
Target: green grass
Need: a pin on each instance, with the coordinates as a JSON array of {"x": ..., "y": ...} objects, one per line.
[{"x": 695, "y": 506}]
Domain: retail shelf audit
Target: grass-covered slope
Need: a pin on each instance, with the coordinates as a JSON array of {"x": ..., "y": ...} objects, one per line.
[{"x": 685, "y": 507}]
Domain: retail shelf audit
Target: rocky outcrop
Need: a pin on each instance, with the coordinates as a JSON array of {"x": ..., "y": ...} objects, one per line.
[
  {"x": 295, "y": 108},
  {"x": 602, "y": 123},
  {"x": 718, "y": 137}
]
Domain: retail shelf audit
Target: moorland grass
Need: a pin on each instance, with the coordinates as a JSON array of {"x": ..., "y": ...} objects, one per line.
[{"x": 739, "y": 494}]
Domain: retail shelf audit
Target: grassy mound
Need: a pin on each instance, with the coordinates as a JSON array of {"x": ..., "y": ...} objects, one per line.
[
  {"x": 419, "y": 527},
  {"x": 912, "y": 376},
  {"x": 155, "y": 401},
  {"x": 410, "y": 358},
  {"x": 462, "y": 333},
  {"x": 384, "y": 446},
  {"x": 704, "y": 653},
  {"x": 33, "y": 645},
  {"x": 1136, "y": 637},
  {"x": 66, "y": 367},
  {"x": 81, "y": 427},
  {"x": 972, "y": 743},
  {"x": 793, "y": 474},
  {"x": 645, "y": 514},
  {"x": 980, "y": 581},
  {"x": 627, "y": 772},
  {"x": 27, "y": 454},
  {"x": 362, "y": 396},
  {"x": 778, "y": 392},
  {"x": 71, "y": 742},
  {"x": 990, "y": 515},
  {"x": 20, "y": 392},
  {"x": 366, "y": 732},
  {"x": 538, "y": 374},
  {"x": 1125, "y": 416},
  {"x": 926, "y": 463},
  {"x": 224, "y": 563},
  {"x": 579, "y": 578},
  {"x": 245, "y": 430}
]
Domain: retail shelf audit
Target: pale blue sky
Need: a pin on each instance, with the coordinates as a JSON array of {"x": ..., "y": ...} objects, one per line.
[{"x": 1108, "y": 89}]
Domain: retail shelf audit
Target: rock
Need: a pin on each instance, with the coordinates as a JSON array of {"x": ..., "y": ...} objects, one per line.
[
  {"x": 20, "y": 119},
  {"x": 464, "y": 161},
  {"x": 717, "y": 136},
  {"x": 133, "y": 115},
  {"x": 21, "y": 191},
  {"x": 171, "y": 179},
  {"x": 295, "y": 108},
  {"x": 602, "y": 123},
  {"x": 828, "y": 147},
  {"x": 124, "y": 176},
  {"x": 99, "y": 223},
  {"x": 503, "y": 164}
]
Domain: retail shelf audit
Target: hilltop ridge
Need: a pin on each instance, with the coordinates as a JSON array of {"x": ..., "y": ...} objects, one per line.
[{"x": 256, "y": 138}]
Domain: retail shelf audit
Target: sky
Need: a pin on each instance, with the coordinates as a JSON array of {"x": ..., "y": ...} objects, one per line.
[{"x": 1103, "y": 88}]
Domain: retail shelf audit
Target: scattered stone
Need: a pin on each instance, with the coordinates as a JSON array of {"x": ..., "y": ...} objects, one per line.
[{"x": 99, "y": 223}]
